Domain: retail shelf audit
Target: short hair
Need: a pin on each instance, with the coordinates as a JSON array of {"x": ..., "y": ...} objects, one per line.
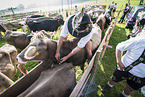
[{"x": 126, "y": 4}]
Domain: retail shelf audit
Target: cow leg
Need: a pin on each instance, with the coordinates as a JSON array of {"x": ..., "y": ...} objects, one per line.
[
  {"x": 22, "y": 69},
  {"x": 88, "y": 49}
]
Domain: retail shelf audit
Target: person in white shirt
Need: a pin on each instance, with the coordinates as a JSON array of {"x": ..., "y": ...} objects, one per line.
[
  {"x": 76, "y": 9},
  {"x": 130, "y": 66},
  {"x": 80, "y": 26}
]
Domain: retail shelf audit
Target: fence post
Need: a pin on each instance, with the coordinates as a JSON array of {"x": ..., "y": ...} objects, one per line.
[{"x": 113, "y": 23}]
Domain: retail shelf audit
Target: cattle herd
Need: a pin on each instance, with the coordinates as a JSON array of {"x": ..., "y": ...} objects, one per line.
[{"x": 39, "y": 46}]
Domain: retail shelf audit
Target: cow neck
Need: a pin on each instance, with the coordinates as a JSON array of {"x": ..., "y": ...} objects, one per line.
[{"x": 51, "y": 48}]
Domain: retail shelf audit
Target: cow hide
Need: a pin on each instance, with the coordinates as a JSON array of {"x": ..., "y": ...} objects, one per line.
[{"x": 58, "y": 81}]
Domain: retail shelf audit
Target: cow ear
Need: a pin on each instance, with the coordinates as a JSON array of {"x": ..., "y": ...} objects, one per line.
[{"x": 30, "y": 36}]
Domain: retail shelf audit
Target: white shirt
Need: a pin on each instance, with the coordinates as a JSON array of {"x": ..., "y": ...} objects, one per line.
[
  {"x": 83, "y": 41},
  {"x": 76, "y": 10},
  {"x": 135, "y": 47}
]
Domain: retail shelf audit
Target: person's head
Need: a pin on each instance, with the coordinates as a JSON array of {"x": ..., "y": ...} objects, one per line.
[
  {"x": 115, "y": 3},
  {"x": 81, "y": 21},
  {"x": 75, "y": 6},
  {"x": 126, "y": 4},
  {"x": 112, "y": 2}
]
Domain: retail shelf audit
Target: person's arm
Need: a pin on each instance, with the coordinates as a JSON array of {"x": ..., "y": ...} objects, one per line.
[
  {"x": 118, "y": 59},
  {"x": 62, "y": 37},
  {"x": 59, "y": 44},
  {"x": 74, "y": 51}
]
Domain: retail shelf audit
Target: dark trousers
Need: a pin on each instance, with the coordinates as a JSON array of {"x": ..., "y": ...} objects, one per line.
[{"x": 122, "y": 17}]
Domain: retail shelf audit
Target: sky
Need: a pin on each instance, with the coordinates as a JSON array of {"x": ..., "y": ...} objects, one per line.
[{"x": 13, "y": 3}]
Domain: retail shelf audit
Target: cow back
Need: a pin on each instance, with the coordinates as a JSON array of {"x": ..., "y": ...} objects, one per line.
[
  {"x": 54, "y": 82},
  {"x": 13, "y": 26},
  {"x": 20, "y": 40},
  {"x": 47, "y": 25}
]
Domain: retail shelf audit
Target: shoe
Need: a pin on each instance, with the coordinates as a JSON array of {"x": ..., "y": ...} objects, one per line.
[{"x": 105, "y": 88}]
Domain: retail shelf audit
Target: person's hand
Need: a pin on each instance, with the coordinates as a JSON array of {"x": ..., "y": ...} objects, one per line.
[
  {"x": 63, "y": 59},
  {"x": 57, "y": 56},
  {"x": 120, "y": 65}
]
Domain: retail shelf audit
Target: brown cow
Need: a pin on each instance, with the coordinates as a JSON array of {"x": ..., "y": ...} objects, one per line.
[
  {"x": 8, "y": 63},
  {"x": 13, "y": 25},
  {"x": 43, "y": 48},
  {"x": 58, "y": 81},
  {"x": 19, "y": 39}
]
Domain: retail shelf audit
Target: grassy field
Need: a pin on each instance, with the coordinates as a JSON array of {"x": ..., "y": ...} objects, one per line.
[{"x": 107, "y": 65}]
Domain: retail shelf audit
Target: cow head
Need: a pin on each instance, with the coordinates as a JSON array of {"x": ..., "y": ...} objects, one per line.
[
  {"x": 8, "y": 60},
  {"x": 61, "y": 22},
  {"x": 59, "y": 17},
  {"x": 13, "y": 34},
  {"x": 36, "y": 50},
  {"x": 19, "y": 39}
]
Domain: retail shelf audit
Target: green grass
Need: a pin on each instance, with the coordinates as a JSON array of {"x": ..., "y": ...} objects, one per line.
[{"x": 107, "y": 65}]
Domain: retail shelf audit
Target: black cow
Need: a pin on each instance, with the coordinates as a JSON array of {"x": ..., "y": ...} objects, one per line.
[
  {"x": 35, "y": 16},
  {"x": 46, "y": 24},
  {"x": 20, "y": 39}
]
